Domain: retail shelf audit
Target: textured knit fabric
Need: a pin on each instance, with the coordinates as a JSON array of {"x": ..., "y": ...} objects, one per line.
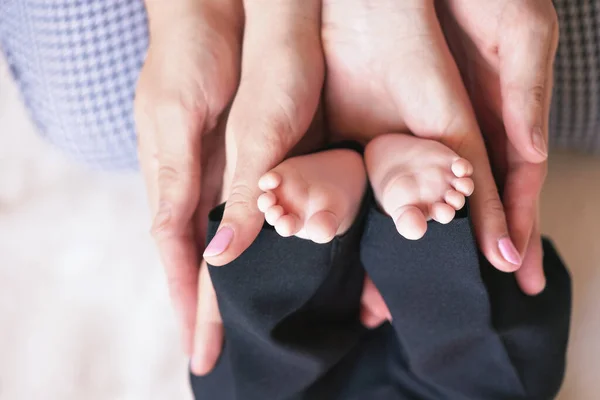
[
  {"x": 77, "y": 63},
  {"x": 460, "y": 330},
  {"x": 575, "y": 113}
]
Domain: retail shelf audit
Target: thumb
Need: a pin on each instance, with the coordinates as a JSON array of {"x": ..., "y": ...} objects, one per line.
[
  {"x": 527, "y": 50},
  {"x": 264, "y": 144},
  {"x": 242, "y": 221},
  {"x": 282, "y": 78}
]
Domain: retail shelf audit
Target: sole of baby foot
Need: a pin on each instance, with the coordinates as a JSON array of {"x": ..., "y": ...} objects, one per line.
[
  {"x": 416, "y": 180},
  {"x": 315, "y": 196}
]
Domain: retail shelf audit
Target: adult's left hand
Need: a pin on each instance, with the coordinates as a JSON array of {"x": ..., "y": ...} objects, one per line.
[
  {"x": 505, "y": 50},
  {"x": 390, "y": 70}
]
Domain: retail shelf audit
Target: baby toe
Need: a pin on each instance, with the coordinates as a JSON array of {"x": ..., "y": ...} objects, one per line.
[
  {"x": 442, "y": 213},
  {"x": 464, "y": 186},
  {"x": 322, "y": 227},
  {"x": 455, "y": 199},
  {"x": 269, "y": 181},
  {"x": 266, "y": 201},
  {"x": 287, "y": 225},
  {"x": 462, "y": 168},
  {"x": 410, "y": 223},
  {"x": 273, "y": 214}
]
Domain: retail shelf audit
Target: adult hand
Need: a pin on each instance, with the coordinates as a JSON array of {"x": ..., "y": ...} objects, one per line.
[
  {"x": 505, "y": 50},
  {"x": 189, "y": 78},
  {"x": 389, "y": 69},
  {"x": 280, "y": 87},
  {"x": 278, "y": 95}
]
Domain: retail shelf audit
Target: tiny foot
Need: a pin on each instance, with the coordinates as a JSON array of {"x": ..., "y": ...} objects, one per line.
[
  {"x": 415, "y": 180},
  {"x": 316, "y": 196}
]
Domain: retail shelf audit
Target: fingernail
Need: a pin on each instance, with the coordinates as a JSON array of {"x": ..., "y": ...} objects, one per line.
[
  {"x": 219, "y": 243},
  {"x": 509, "y": 251},
  {"x": 539, "y": 143}
]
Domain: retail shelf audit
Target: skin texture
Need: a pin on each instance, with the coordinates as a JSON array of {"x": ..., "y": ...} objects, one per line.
[
  {"x": 389, "y": 70},
  {"x": 311, "y": 196},
  {"x": 415, "y": 180}
]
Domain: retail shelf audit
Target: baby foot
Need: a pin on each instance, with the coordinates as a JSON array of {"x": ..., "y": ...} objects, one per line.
[
  {"x": 316, "y": 196},
  {"x": 416, "y": 179}
]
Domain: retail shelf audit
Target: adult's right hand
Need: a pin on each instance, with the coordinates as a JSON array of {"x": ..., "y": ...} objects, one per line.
[
  {"x": 188, "y": 80},
  {"x": 190, "y": 76},
  {"x": 280, "y": 87}
]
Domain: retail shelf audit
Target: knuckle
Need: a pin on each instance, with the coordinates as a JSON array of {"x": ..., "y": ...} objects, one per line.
[
  {"x": 179, "y": 187},
  {"x": 537, "y": 95},
  {"x": 241, "y": 197},
  {"x": 177, "y": 180},
  {"x": 166, "y": 230},
  {"x": 280, "y": 127},
  {"x": 168, "y": 173},
  {"x": 169, "y": 227},
  {"x": 175, "y": 109},
  {"x": 493, "y": 206}
]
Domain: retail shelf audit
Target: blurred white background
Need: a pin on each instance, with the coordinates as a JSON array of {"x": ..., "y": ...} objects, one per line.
[{"x": 84, "y": 312}]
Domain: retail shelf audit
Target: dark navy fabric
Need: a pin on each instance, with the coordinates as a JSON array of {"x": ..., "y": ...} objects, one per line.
[{"x": 460, "y": 330}]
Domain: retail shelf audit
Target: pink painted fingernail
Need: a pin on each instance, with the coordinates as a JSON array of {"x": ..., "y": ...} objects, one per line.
[
  {"x": 509, "y": 251},
  {"x": 219, "y": 243}
]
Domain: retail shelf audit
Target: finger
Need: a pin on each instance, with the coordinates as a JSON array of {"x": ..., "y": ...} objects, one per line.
[
  {"x": 374, "y": 311},
  {"x": 522, "y": 188},
  {"x": 527, "y": 49},
  {"x": 178, "y": 183},
  {"x": 276, "y": 101},
  {"x": 489, "y": 218},
  {"x": 209, "y": 334},
  {"x": 172, "y": 228},
  {"x": 179, "y": 168},
  {"x": 530, "y": 276}
]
